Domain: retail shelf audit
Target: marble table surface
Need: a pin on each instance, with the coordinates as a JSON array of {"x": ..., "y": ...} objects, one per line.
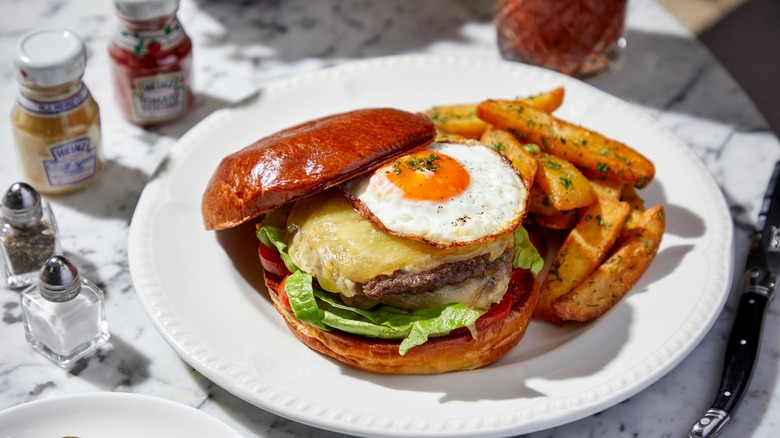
[{"x": 240, "y": 47}]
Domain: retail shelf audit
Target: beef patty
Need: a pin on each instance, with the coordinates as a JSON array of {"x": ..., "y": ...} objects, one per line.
[{"x": 400, "y": 282}]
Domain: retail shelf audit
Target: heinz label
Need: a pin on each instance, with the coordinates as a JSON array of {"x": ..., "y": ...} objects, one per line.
[
  {"x": 159, "y": 97},
  {"x": 74, "y": 161}
]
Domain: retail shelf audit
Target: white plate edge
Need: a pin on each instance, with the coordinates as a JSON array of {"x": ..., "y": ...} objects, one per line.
[{"x": 211, "y": 367}]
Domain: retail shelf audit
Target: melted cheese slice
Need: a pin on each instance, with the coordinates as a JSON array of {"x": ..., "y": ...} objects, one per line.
[{"x": 332, "y": 242}]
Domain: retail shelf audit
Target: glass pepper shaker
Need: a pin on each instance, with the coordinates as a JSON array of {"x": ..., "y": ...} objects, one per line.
[
  {"x": 28, "y": 234},
  {"x": 63, "y": 314}
]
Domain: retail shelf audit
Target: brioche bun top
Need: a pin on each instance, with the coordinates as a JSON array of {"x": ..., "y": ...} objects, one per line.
[{"x": 306, "y": 159}]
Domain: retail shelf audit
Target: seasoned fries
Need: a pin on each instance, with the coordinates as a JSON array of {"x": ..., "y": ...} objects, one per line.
[
  {"x": 637, "y": 210},
  {"x": 581, "y": 252},
  {"x": 593, "y": 153},
  {"x": 616, "y": 276},
  {"x": 608, "y": 187},
  {"x": 562, "y": 220},
  {"x": 539, "y": 203},
  {"x": 580, "y": 183},
  {"x": 547, "y": 102},
  {"x": 463, "y": 120},
  {"x": 511, "y": 147},
  {"x": 457, "y": 119},
  {"x": 565, "y": 186}
]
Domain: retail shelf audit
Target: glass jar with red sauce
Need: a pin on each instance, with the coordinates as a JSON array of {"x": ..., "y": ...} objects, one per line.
[
  {"x": 577, "y": 37},
  {"x": 151, "y": 60}
]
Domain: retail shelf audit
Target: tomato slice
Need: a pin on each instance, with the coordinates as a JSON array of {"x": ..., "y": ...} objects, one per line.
[
  {"x": 282, "y": 294},
  {"x": 271, "y": 260},
  {"x": 496, "y": 313},
  {"x": 500, "y": 310}
]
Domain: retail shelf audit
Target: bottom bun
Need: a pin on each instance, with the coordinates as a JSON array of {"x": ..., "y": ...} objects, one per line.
[{"x": 438, "y": 355}]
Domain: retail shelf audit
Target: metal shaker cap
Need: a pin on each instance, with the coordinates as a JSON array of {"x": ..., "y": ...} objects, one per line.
[
  {"x": 59, "y": 280},
  {"x": 22, "y": 206}
]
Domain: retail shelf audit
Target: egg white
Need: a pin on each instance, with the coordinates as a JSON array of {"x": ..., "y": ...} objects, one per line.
[{"x": 493, "y": 203}]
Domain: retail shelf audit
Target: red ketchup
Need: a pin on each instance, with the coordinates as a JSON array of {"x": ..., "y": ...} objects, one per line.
[{"x": 151, "y": 60}]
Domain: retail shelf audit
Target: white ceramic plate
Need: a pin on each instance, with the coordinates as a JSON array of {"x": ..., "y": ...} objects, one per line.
[
  {"x": 212, "y": 311},
  {"x": 109, "y": 414}
]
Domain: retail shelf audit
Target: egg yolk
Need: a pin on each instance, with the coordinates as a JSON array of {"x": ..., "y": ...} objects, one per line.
[{"x": 428, "y": 176}]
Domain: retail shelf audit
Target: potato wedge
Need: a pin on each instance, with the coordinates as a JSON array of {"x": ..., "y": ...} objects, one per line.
[
  {"x": 582, "y": 251},
  {"x": 443, "y": 137},
  {"x": 510, "y": 147},
  {"x": 539, "y": 203},
  {"x": 608, "y": 187},
  {"x": 566, "y": 187},
  {"x": 618, "y": 274},
  {"x": 462, "y": 119},
  {"x": 596, "y": 155},
  {"x": 546, "y": 215},
  {"x": 562, "y": 220},
  {"x": 457, "y": 119},
  {"x": 637, "y": 204},
  {"x": 548, "y": 101}
]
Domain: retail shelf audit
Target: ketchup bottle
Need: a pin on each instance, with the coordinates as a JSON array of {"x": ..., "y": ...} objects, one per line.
[{"x": 151, "y": 60}]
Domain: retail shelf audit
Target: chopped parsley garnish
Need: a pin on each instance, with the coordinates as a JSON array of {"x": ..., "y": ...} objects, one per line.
[
  {"x": 532, "y": 148},
  {"x": 417, "y": 164},
  {"x": 517, "y": 133},
  {"x": 641, "y": 183}
]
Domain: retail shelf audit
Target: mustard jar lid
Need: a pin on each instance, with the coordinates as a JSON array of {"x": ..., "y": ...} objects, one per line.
[{"x": 49, "y": 57}]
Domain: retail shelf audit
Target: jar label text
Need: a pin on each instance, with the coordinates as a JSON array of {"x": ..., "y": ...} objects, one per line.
[
  {"x": 74, "y": 161},
  {"x": 159, "y": 97}
]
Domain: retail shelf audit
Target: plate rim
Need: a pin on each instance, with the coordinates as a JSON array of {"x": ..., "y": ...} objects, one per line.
[
  {"x": 100, "y": 398},
  {"x": 634, "y": 380}
]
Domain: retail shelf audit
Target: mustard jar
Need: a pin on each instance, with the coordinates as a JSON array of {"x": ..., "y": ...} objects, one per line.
[{"x": 55, "y": 120}]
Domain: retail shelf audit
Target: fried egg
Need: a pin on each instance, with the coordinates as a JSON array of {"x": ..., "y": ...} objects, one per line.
[{"x": 449, "y": 194}]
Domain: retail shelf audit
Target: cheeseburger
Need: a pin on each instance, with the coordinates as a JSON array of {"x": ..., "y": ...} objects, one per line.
[{"x": 382, "y": 249}]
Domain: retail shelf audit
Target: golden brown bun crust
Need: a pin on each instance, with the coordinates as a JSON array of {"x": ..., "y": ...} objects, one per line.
[
  {"x": 306, "y": 159},
  {"x": 438, "y": 355}
]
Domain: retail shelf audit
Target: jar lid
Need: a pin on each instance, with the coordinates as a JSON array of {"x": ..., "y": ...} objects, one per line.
[
  {"x": 146, "y": 9},
  {"x": 49, "y": 57}
]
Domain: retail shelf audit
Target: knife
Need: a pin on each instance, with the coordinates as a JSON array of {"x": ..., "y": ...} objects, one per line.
[{"x": 758, "y": 288}]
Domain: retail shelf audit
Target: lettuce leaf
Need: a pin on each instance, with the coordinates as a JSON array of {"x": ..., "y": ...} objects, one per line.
[
  {"x": 526, "y": 255},
  {"x": 301, "y": 294},
  {"x": 324, "y": 310},
  {"x": 272, "y": 237}
]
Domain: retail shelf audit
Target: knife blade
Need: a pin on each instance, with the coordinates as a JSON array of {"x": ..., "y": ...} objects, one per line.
[{"x": 758, "y": 288}]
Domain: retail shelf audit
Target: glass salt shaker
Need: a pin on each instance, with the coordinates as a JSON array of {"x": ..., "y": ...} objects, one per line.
[
  {"x": 63, "y": 314},
  {"x": 28, "y": 235}
]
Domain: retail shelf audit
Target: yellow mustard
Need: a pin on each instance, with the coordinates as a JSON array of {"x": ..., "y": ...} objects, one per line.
[{"x": 55, "y": 120}]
